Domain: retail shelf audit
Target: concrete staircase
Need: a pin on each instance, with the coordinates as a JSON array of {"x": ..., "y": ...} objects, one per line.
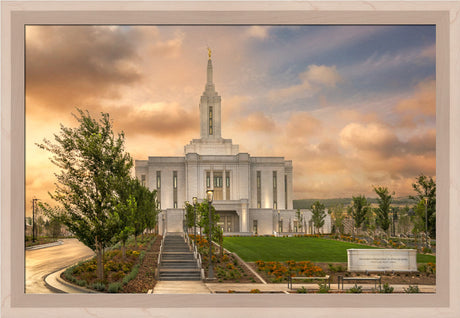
[{"x": 177, "y": 261}]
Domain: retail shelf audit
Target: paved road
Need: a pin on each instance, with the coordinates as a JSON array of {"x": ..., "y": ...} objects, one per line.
[{"x": 42, "y": 262}]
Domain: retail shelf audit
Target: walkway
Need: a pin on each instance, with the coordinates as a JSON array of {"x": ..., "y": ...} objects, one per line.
[{"x": 181, "y": 287}]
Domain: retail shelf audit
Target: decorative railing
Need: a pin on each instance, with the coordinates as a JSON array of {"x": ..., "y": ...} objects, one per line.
[
  {"x": 160, "y": 253},
  {"x": 196, "y": 254}
]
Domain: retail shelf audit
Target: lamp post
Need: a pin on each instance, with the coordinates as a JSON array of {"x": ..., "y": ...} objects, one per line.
[
  {"x": 426, "y": 221},
  {"x": 194, "y": 200},
  {"x": 33, "y": 219},
  {"x": 164, "y": 229},
  {"x": 210, "y": 194}
]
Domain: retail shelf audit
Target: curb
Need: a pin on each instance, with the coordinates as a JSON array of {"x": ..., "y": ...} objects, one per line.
[
  {"x": 60, "y": 285},
  {"x": 38, "y": 247}
]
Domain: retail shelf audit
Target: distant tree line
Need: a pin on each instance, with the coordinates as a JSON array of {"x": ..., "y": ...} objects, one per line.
[{"x": 419, "y": 215}]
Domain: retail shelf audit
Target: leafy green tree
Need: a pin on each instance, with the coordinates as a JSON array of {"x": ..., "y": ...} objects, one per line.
[
  {"x": 203, "y": 211},
  {"x": 124, "y": 214},
  {"x": 53, "y": 227},
  {"x": 338, "y": 215},
  {"x": 94, "y": 169},
  {"x": 299, "y": 218},
  {"x": 190, "y": 216},
  {"x": 318, "y": 211},
  {"x": 146, "y": 211},
  {"x": 384, "y": 200},
  {"x": 419, "y": 217},
  {"x": 404, "y": 222},
  {"x": 358, "y": 210},
  {"x": 425, "y": 188}
]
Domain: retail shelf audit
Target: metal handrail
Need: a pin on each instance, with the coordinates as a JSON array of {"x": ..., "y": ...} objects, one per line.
[
  {"x": 195, "y": 251},
  {"x": 160, "y": 255}
]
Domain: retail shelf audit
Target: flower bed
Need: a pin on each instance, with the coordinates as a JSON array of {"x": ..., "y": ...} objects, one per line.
[
  {"x": 227, "y": 268},
  {"x": 117, "y": 272},
  {"x": 278, "y": 272}
]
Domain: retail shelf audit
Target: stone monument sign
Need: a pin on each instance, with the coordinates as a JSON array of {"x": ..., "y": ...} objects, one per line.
[{"x": 379, "y": 260}]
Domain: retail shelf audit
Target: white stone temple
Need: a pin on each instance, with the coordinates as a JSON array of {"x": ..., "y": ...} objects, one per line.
[{"x": 252, "y": 195}]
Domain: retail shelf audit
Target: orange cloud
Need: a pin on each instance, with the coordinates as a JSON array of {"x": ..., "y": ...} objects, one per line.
[
  {"x": 257, "y": 121},
  {"x": 422, "y": 102}
]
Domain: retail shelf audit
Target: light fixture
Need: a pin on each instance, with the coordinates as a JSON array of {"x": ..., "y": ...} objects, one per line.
[{"x": 210, "y": 195}]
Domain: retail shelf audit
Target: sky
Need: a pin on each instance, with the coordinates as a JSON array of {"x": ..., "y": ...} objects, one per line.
[{"x": 352, "y": 106}]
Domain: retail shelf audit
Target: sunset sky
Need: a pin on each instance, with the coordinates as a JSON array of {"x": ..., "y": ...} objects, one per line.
[{"x": 351, "y": 106}]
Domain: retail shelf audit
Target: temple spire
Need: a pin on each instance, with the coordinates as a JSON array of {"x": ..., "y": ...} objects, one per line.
[{"x": 209, "y": 77}]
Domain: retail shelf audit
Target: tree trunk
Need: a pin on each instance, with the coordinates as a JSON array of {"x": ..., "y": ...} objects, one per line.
[
  {"x": 100, "y": 261},
  {"x": 135, "y": 240}
]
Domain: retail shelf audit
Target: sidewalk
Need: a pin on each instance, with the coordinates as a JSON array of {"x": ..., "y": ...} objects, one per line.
[
  {"x": 180, "y": 287},
  {"x": 58, "y": 285},
  {"x": 282, "y": 288}
]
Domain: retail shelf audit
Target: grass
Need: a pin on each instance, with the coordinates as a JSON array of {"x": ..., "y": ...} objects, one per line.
[{"x": 312, "y": 249}]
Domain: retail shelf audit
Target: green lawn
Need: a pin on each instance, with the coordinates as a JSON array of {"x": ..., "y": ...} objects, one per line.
[{"x": 296, "y": 248}]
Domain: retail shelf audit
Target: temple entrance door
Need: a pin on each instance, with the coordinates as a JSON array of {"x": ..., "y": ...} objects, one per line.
[{"x": 229, "y": 221}]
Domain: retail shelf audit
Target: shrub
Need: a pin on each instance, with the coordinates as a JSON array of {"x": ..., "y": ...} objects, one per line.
[
  {"x": 426, "y": 250},
  {"x": 302, "y": 290},
  {"x": 387, "y": 289},
  {"x": 323, "y": 288},
  {"x": 422, "y": 268},
  {"x": 431, "y": 268},
  {"x": 355, "y": 289},
  {"x": 412, "y": 290},
  {"x": 255, "y": 291},
  {"x": 98, "y": 286},
  {"x": 131, "y": 275},
  {"x": 141, "y": 257},
  {"x": 114, "y": 287},
  {"x": 81, "y": 282}
]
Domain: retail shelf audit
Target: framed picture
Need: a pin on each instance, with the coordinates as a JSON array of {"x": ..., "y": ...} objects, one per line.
[{"x": 163, "y": 29}]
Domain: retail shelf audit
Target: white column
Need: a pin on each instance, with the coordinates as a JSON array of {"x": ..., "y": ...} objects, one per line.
[{"x": 244, "y": 216}]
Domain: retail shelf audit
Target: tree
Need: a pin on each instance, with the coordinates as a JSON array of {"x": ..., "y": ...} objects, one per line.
[
  {"x": 318, "y": 211},
  {"x": 203, "y": 210},
  {"x": 425, "y": 187},
  {"x": 53, "y": 227},
  {"x": 404, "y": 220},
  {"x": 94, "y": 168},
  {"x": 358, "y": 210},
  {"x": 190, "y": 216},
  {"x": 337, "y": 213},
  {"x": 384, "y": 200},
  {"x": 124, "y": 216},
  {"x": 146, "y": 211},
  {"x": 299, "y": 218}
]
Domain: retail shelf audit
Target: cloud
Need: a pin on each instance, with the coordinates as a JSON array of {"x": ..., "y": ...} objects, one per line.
[
  {"x": 69, "y": 65},
  {"x": 157, "y": 120},
  {"x": 322, "y": 75},
  {"x": 423, "y": 101},
  {"x": 312, "y": 80},
  {"x": 302, "y": 125},
  {"x": 378, "y": 141},
  {"x": 257, "y": 31},
  {"x": 257, "y": 122}
]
